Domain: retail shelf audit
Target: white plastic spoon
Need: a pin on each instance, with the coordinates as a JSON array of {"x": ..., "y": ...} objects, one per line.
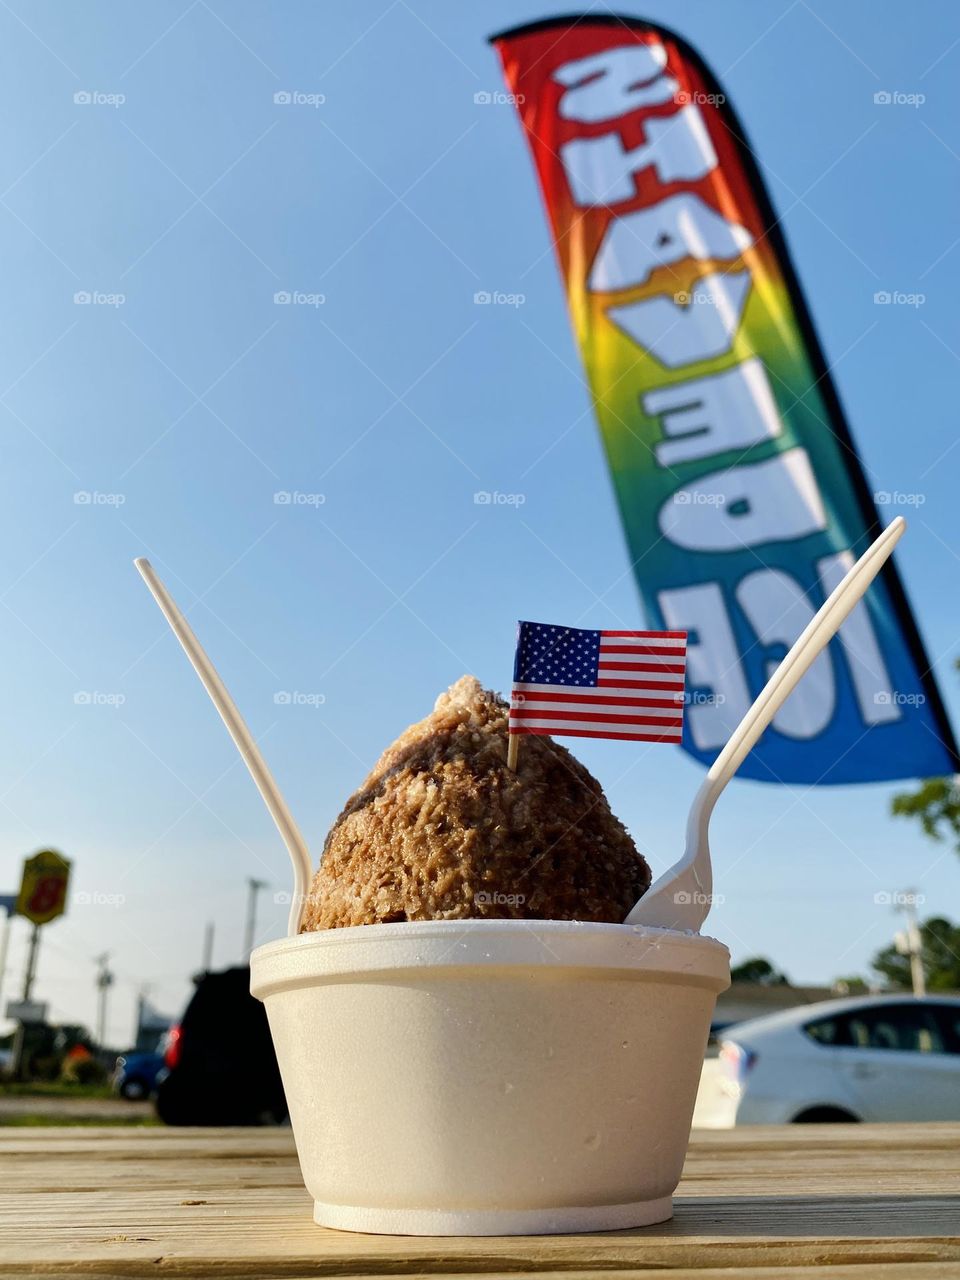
[
  {"x": 680, "y": 898},
  {"x": 231, "y": 717}
]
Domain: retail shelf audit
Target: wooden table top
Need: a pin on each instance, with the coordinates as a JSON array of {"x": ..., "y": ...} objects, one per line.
[{"x": 861, "y": 1202}]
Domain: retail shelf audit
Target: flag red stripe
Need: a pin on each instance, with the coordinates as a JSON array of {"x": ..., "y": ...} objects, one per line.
[
  {"x": 620, "y": 665},
  {"x": 592, "y": 733},
  {"x": 668, "y": 686},
  {"x": 593, "y": 717},
  {"x": 642, "y": 635},
  {"x": 597, "y": 700},
  {"x": 650, "y": 649}
]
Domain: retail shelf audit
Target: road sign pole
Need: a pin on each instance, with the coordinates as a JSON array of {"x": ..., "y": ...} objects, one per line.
[
  {"x": 31, "y": 970},
  {"x": 28, "y": 977},
  {"x": 16, "y": 1053}
]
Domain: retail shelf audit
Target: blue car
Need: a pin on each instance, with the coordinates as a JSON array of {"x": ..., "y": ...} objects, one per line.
[{"x": 135, "y": 1075}]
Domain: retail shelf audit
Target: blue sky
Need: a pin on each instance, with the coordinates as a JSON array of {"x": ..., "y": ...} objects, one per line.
[{"x": 186, "y": 406}]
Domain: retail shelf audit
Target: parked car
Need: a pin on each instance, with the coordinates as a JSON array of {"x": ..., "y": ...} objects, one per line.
[
  {"x": 135, "y": 1075},
  {"x": 866, "y": 1058},
  {"x": 220, "y": 1067},
  {"x": 718, "y": 1029}
]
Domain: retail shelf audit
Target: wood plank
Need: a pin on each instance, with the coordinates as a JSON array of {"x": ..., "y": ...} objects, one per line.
[
  {"x": 870, "y": 1271},
  {"x": 771, "y": 1202},
  {"x": 814, "y": 1158}
]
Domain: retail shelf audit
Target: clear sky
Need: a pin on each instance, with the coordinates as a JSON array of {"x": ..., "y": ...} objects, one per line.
[{"x": 186, "y": 406}]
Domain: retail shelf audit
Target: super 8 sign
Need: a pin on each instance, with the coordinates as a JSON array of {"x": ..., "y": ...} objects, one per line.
[{"x": 43, "y": 888}]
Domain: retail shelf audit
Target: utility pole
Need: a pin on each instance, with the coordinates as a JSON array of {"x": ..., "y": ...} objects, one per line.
[
  {"x": 142, "y": 992},
  {"x": 207, "y": 964},
  {"x": 104, "y": 983},
  {"x": 254, "y": 887},
  {"x": 910, "y": 941}
]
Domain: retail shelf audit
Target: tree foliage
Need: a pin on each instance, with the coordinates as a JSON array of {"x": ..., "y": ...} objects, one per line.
[
  {"x": 851, "y": 985},
  {"x": 935, "y": 805},
  {"x": 941, "y": 958},
  {"x": 758, "y": 969}
]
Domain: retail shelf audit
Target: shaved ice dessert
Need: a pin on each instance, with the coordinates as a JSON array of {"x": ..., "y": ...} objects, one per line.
[
  {"x": 442, "y": 829},
  {"x": 515, "y": 1059}
]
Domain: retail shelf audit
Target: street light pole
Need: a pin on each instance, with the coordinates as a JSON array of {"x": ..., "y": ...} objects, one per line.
[{"x": 254, "y": 887}]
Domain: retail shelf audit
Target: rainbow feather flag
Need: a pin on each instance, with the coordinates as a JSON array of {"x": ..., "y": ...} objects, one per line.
[{"x": 741, "y": 492}]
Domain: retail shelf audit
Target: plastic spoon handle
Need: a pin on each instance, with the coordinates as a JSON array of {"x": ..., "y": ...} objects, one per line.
[
  {"x": 680, "y": 899},
  {"x": 241, "y": 735}
]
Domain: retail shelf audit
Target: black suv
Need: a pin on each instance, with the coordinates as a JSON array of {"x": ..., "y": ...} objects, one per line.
[{"x": 221, "y": 1067}]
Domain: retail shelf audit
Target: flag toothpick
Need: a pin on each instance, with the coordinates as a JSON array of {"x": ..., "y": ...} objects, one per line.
[{"x": 512, "y": 751}]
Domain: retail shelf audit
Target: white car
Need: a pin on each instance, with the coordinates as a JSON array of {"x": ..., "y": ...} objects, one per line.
[{"x": 869, "y": 1058}]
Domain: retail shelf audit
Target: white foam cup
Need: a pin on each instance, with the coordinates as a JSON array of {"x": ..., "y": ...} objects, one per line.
[{"x": 490, "y": 1077}]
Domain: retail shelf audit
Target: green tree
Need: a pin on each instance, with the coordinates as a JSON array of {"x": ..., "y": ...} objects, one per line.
[
  {"x": 941, "y": 958},
  {"x": 935, "y": 804},
  {"x": 853, "y": 985},
  {"x": 758, "y": 969}
]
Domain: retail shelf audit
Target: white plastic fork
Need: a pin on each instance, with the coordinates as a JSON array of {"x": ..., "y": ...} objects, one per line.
[
  {"x": 681, "y": 897},
  {"x": 244, "y": 740}
]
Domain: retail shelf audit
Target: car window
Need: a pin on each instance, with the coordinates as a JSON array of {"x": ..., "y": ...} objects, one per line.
[
  {"x": 948, "y": 1020},
  {"x": 828, "y": 1031},
  {"x": 904, "y": 1028}
]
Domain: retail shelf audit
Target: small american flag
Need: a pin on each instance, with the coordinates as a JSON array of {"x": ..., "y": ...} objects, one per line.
[{"x": 598, "y": 684}]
